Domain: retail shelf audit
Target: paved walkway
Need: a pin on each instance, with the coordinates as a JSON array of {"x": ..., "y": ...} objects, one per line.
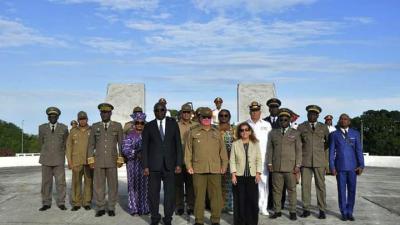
[{"x": 378, "y": 197}]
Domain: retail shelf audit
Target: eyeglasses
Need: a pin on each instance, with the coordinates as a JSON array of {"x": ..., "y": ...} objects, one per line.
[
  {"x": 245, "y": 129},
  {"x": 159, "y": 110},
  {"x": 283, "y": 120},
  {"x": 186, "y": 111},
  {"x": 223, "y": 115},
  {"x": 205, "y": 117},
  {"x": 139, "y": 122}
]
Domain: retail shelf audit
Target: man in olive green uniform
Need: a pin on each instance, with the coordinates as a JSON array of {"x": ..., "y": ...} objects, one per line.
[
  {"x": 284, "y": 161},
  {"x": 129, "y": 126},
  {"x": 77, "y": 145},
  {"x": 104, "y": 156},
  {"x": 314, "y": 137},
  {"x": 206, "y": 158},
  {"x": 52, "y": 139},
  {"x": 184, "y": 180}
]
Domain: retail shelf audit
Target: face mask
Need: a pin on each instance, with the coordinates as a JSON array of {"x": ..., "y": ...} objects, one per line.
[{"x": 205, "y": 122}]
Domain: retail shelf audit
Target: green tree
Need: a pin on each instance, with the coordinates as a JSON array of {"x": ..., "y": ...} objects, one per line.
[
  {"x": 10, "y": 139},
  {"x": 381, "y": 130}
]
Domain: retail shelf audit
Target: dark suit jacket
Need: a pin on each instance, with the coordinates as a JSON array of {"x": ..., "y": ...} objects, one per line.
[
  {"x": 274, "y": 125},
  {"x": 158, "y": 153},
  {"x": 345, "y": 153}
]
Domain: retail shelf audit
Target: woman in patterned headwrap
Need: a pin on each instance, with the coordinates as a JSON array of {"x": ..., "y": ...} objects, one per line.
[
  {"x": 228, "y": 135},
  {"x": 138, "y": 203}
]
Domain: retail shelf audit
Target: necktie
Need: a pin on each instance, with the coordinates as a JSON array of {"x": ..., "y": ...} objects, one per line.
[
  {"x": 52, "y": 128},
  {"x": 161, "y": 131},
  {"x": 345, "y": 134},
  {"x": 105, "y": 126},
  {"x": 283, "y": 132},
  {"x": 313, "y": 127}
]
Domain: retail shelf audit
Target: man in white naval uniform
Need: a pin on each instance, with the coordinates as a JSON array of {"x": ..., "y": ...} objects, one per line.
[
  {"x": 328, "y": 122},
  {"x": 261, "y": 129}
]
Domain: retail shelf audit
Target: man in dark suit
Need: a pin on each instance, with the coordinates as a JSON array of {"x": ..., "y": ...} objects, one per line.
[
  {"x": 346, "y": 161},
  {"x": 162, "y": 157}
]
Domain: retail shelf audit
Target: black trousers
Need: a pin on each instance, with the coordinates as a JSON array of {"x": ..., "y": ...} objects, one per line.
[
  {"x": 168, "y": 178},
  {"x": 184, "y": 187},
  {"x": 245, "y": 197},
  {"x": 270, "y": 205}
]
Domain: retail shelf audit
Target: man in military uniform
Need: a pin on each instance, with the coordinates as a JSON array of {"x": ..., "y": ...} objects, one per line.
[
  {"x": 328, "y": 122},
  {"x": 129, "y": 126},
  {"x": 314, "y": 137},
  {"x": 261, "y": 130},
  {"x": 206, "y": 159},
  {"x": 52, "y": 139},
  {"x": 218, "y": 106},
  {"x": 77, "y": 145},
  {"x": 284, "y": 161},
  {"x": 105, "y": 144},
  {"x": 74, "y": 124},
  {"x": 273, "y": 107},
  {"x": 164, "y": 102},
  {"x": 184, "y": 180}
]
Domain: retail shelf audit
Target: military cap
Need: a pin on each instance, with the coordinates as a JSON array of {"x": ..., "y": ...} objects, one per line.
[
  {"x": 254, "y": 106},
  {"x": 105, "y": 107},
  {"x": 205, "y": 112},
  {"x": 186, "y": 107},
  {"x": 53, "y": 110},
  {"x": 82, "y": 115},
  {"x": 162, "y": 101},
  {"x": 273, "y": 102},
  {"x": 218, "y": 99},
  {"x": 73, "y": 122},
  {"x": 328, "y": 117},
  {"x": 285, "y": 112},
  {"x": 314, "y": 108},
  {"x": 198, "y": 111},
  {"x": 137, "y": 109}
]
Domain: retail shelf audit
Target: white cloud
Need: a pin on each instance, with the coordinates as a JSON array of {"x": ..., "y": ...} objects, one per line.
[
  {"x": 109, "y": 45},
  {"x": 58, "y": 63},
  {"x": 118, "y": 4},
  {"x": 15, "y": 34},
  {"x": 225, "y": 33},
  {"x": 362, "y": 20},
  {"x": 252, "y": 6}
]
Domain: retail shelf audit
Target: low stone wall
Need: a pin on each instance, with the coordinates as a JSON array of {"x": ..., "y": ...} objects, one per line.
[{"x": 374, "y": 161}]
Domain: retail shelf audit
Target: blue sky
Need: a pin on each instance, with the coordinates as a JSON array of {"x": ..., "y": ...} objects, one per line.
[{"x": 342, "y": 55}]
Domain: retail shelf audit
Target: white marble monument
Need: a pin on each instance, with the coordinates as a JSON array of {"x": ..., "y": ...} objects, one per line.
[
  {"x": 246, "y": 93},
  {"x": 124, "y": 97}
]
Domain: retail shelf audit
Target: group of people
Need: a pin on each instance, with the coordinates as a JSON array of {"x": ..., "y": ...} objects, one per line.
[{"x": 202, "y": 161}]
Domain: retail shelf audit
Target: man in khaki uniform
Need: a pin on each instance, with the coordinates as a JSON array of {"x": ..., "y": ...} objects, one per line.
[
  {"x": 104, "y": 156},
  {"x": 284, "y": 161},
  {"x": 77, "y": 145},
  {"x": 184, "y": 180},
  {"x": 314, "y": 137},
  {"x": 129, "y": 126},
  {"x": 206, "y": 158},
  {"x": 52, "y": 138}
]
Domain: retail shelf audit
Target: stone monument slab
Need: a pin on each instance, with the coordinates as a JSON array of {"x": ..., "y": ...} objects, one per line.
[
  {"x": 246, "y": 93},
  {"x": 124, "y": 97}
]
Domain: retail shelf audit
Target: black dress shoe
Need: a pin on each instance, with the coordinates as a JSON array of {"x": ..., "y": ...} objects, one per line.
[
  {"x": 87, "y": 207},
  {"x": 44, "y": 208},
  {"x": 292, "y": 216},
  {"x": 100, "y": 213},
  {"x": 154, "y": 223},
  {"x": 179, "y": 212},
  {"x": 305, "y": 214},
  {"x": 275, "y": 215},
  {"x": 189, "y": 211},
  {"x": 62, "y": 207},
  {"x": 111, "y": 213},
  {"x": 322, "y": 215},
  {"x": 350, "y": 217},
  {"x": 75, "y": 208},
  {"x": 199, "y": 224},
  {"x": 215, "y": 224},
  {"x": 344, "y": 218}
]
